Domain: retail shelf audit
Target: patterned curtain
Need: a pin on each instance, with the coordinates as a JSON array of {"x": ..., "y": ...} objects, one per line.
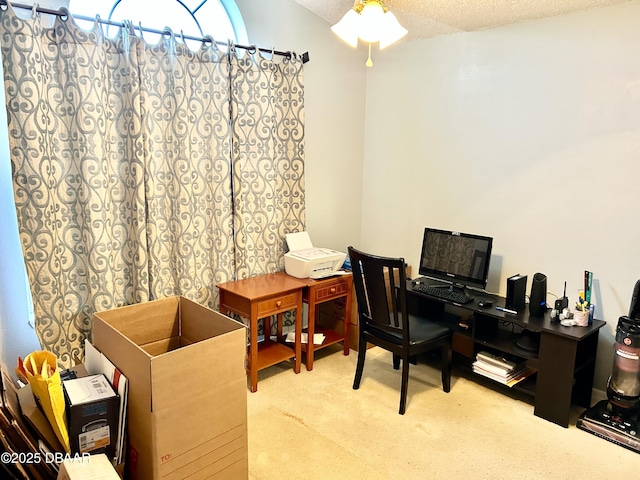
[
  {"x": 268, "y": 119},
  {"x": 123, "y": 168}
]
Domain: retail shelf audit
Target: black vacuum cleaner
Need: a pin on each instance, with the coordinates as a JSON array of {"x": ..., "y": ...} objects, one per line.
[{"x": 618, "y": 418}]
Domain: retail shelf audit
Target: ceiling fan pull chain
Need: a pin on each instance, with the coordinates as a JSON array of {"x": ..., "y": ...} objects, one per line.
[{"x": 369, "y": 61}]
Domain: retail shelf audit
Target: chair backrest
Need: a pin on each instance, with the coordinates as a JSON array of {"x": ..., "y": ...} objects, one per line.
[{"x": 380, "y": 284}]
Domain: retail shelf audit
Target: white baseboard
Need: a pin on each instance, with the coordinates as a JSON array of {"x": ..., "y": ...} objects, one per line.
[{"x": 597, "y": 395}]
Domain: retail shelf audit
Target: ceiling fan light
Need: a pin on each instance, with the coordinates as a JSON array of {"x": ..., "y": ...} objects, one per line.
[
  {"x": 391, "y": 31},
  {"x": 348, "y": 28},
  {"x": 372, "y": 21}
]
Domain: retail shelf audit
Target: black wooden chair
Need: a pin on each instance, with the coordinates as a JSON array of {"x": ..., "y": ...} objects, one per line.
[{"x": 380, "y": 285}]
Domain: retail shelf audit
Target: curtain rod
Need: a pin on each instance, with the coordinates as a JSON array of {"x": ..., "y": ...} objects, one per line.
[{"x": 63, "y": 13}]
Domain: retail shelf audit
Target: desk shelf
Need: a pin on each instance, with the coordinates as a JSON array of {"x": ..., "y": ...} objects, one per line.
[
  {"x": 271, "y": 353},
  {"x": 504, "y": 341},
  {"x": 526, "y": 386},
  {"x": 330, "y": 337}
]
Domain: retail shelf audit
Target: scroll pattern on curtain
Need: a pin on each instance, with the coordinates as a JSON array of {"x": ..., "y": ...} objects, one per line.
[
  {"x": 268, "y": 159},
  {"x": 122, "y": 166}
]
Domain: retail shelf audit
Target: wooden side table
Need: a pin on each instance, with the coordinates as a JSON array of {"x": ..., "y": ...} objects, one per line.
[
  {"x": 260, "y": 298},
  {"x": 320, "y": 291}
]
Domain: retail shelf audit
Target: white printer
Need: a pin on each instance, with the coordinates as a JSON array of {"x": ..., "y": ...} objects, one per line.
[{"x": 306, "y": 261}]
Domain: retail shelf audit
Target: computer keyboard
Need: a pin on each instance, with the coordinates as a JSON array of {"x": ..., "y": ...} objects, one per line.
[{"x": 446, "y": 293}]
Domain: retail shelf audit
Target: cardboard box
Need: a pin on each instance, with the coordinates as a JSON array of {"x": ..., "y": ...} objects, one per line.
[
  {"x": 97, "y": 363},
  {"x": 92, "y": 415},
  {"x": 187, "y": 405},
  {"x": 37, "y": 420},
  {"x": 95, "y": 467},
  {"x": 17, "y": 435}
]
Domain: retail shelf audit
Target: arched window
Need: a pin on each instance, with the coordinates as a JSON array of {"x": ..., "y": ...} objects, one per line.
[{"x": 219, "y": 18}]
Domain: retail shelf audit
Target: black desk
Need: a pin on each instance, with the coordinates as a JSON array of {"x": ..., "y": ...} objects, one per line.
[{"x": 564, "y": 365}]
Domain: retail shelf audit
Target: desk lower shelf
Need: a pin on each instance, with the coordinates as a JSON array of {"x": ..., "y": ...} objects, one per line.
[
  {"x": 526, "y": 386},
  {"x": 331, "y": 337},
  {"x": 271, "y": 352}
]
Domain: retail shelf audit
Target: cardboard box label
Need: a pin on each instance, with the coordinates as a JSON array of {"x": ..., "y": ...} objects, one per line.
[{"x": 96, "y": 436}]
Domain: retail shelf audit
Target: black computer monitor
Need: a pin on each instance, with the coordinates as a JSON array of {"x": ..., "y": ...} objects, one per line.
[{"x": 456, "y": 258}]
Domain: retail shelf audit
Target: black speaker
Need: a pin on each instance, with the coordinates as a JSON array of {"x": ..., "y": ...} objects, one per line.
[
  {"x": 516, "y": 291},
  {"x": 538, "y": 297}
]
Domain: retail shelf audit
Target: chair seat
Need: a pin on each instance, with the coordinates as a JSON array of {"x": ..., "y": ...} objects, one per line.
[{"x": 420, "y": 330}]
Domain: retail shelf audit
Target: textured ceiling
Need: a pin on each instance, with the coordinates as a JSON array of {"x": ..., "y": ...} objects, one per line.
[{"x": 431, "y": 18}]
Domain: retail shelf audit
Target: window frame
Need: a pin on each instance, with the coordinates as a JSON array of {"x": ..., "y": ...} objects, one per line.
[{"x": 229, "y": 6}]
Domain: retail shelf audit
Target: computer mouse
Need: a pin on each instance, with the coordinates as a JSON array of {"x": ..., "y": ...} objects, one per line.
[{"x": 485, "y": 303}]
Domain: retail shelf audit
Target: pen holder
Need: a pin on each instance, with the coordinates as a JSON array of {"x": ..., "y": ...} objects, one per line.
[{"x": 581, "y": 318}]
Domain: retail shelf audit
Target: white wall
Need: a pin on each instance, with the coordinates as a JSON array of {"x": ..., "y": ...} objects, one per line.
[
  {"x": 334, "y": 114},
  {"x": 528, "y": 133},
  {"x": 17, "y": 337}
]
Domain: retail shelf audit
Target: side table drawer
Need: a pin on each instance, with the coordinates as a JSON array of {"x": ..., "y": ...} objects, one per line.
[
  {"x": 334, "y": 290},
  {"x": 278, "y": 304}
]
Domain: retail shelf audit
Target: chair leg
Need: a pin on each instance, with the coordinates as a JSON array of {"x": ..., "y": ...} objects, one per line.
[
  {"x": 360, "y": 365},
  {"x": 446, "y": 367},
  {"x": 396, "y": 361},
  {"x": 403, "y": 387}
]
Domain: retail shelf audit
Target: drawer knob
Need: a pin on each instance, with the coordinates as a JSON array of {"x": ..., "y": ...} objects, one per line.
[
  {"x": 332, "y": 290},
  {"x": 278, "y": 303}
]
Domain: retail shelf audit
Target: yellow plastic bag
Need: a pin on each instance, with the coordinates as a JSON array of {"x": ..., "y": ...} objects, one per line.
[{"x": 41, "y": 370}]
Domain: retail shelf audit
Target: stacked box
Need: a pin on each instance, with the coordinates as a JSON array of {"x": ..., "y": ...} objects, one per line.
[{"x": 92, "y": 415}]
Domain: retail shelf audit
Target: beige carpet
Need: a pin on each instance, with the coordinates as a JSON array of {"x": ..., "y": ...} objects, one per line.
[{"x": 315, "y": 426}]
